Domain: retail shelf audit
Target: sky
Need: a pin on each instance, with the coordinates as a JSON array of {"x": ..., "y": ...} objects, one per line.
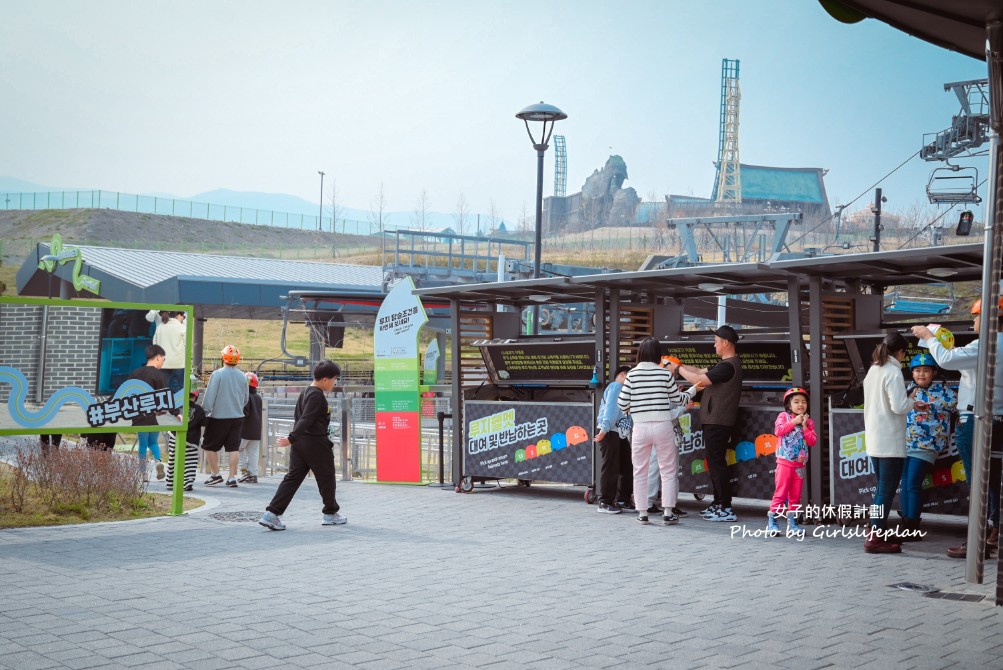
[{"x": 184, "y": 97}]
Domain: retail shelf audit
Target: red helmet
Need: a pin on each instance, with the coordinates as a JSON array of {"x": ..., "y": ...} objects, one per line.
[
  {"x": 797, "y": 390},
  {"x": 195, "y": 393},
  {"x": 230, "y": 354},
  {"x": 252, "y": 379}
]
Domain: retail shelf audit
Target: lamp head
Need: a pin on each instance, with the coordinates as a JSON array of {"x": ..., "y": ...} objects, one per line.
[{"x": 545, "y": 114}]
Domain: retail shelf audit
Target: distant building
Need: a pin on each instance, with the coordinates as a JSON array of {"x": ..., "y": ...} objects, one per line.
[{"x": 765, "y": 189}]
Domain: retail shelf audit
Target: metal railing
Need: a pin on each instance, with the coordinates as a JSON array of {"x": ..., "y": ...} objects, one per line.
[{"x": 353, "y": 431}]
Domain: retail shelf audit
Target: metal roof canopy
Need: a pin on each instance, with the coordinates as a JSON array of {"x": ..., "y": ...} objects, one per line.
[
  {"x": 957, "y": 25},
  {"x": 235, "y": 287},
  {"x": 928, "y": 265}
]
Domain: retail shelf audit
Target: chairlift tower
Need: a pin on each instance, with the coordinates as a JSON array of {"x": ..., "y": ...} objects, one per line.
[
  {"x": 560, "y": 167},
  {"x": 728, "y": 185}
]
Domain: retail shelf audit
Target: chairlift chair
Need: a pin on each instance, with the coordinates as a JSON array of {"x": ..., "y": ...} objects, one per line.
[{"x": 953, "y": 185}]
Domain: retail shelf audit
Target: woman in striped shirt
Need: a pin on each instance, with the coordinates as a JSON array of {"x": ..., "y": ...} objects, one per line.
[{"x": 649, "y": 395}]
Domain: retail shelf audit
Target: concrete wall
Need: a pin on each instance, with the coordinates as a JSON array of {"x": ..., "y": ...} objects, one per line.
[{"x": 72, "y": 346}]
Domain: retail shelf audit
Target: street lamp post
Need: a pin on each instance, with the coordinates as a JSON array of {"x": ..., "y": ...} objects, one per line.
[
  {"x": 320, "y": 213},
  {"x": 543, "y": 113}
]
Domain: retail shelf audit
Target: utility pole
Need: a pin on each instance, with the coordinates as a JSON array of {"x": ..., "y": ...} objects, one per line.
[
  {"x": 876, "y": 210},
  {"x": 320, "y": 213}
]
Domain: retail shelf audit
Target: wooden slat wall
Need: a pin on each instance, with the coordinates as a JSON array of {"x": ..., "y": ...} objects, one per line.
[
  {"x": 837, "y": 319},
  {"x": 473, "y": 327},
  {"x": 636, "y": 323}
]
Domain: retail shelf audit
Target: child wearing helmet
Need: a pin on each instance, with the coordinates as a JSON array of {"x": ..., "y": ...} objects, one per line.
[
  {"x": 193, "y": 438},
  {"x": 927, "y": 433},
  {"x": 250, "y": 433},
  {"x": 796, "y": 431}
]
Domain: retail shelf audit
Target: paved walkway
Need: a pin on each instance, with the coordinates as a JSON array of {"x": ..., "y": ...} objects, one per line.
[{"x": 426, "y": 578}]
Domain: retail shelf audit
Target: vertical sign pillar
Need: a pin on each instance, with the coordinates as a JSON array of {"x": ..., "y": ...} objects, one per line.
[{"x": 397, "y": 381}]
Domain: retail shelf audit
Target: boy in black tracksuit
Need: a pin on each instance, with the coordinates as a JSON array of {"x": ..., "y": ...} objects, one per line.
[{"x": 311, "y": 450}]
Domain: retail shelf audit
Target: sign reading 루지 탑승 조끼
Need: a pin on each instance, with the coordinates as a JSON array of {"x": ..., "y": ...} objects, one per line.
[{"x": 532, "y": 440}]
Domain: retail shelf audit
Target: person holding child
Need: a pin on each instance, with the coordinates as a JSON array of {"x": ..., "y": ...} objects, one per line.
[
  {"x": 927, "y": 432},
  {"x": 796, "y": 431}
]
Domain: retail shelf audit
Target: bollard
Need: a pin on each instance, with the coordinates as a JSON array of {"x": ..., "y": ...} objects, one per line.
[{"x": 442, "y": 416}]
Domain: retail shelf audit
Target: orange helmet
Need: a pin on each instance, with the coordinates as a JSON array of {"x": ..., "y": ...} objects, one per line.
[
  {"x": 252, "y": 379},
  {"x": 230, "y": 354},
  {"x": 977, "y": 306}
]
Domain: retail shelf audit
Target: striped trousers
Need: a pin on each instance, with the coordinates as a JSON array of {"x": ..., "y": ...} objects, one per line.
[{"x": 191, "y": 461}]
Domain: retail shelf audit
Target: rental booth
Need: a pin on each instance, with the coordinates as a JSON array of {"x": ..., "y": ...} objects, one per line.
[{"x": 513, "y": 391}]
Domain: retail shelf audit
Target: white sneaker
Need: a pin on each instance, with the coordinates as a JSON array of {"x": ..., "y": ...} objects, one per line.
[
  {"x": 334, "y": 520},
  {"x": 160, "y": 470},
  {"x": 271, "y": 521}
]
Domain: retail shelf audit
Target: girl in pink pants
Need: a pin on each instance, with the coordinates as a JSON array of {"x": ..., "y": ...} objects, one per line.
[{"x": 797, "y": 433}]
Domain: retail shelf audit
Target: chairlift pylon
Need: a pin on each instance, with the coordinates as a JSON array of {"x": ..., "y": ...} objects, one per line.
[{"x": 953, "y": 185}]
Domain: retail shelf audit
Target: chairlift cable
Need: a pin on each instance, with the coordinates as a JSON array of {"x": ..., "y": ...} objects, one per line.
[
  {"x": 862, "y": 194},
  {"x": 946, "y": 212}
]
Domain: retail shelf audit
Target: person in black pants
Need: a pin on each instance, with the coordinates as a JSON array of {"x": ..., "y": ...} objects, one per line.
[
  {"x": 311, "y": 450},
  {"x": 615, "y": 472},
  {"x": 718, "y": 411}
]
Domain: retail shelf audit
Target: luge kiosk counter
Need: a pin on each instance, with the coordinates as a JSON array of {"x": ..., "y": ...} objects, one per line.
[
  {"x": 766, "y": 365},
  {"x": 533, "y": 419},
  {"x": 851, "y": 477}
]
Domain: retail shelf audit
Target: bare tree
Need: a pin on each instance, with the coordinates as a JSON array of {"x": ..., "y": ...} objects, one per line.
[
  {"x": 524, "y": 224},
  {"x": 336, "y": 209},
  {"x": 377, "y": 211},
  {"x": 461, "y": 214},
  {"x": 494, "y": 213},
  {"x": 419, "y": 218}
]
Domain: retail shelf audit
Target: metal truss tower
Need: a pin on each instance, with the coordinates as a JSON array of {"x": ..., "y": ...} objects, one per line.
[
  {"x": 728, "y": 186},
  {"x": 560, "y": 167}
]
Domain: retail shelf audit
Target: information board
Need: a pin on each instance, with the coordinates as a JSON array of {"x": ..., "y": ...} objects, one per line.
[
  {"x": 852, "y": 480},
  {"x": 865, "y": 345},
  {"x": 540, "y": 362},
  {"x": 751, "y": 458},
  {"x": 528, "y": 440},
  {"x": 762, "y": 360}
]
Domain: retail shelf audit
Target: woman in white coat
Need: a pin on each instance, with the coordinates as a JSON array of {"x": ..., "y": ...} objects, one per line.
[{"x": 885, "y": 408}]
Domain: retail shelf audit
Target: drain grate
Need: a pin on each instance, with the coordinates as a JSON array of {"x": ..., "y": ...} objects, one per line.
[
  {"x": 962, "y": 597},
  {"x": 915, "y": 588},
  {"x": 235, "y": 516}
]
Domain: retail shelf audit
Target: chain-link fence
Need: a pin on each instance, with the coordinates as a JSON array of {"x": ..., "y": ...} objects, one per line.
[{"x": 148, "y": 204}]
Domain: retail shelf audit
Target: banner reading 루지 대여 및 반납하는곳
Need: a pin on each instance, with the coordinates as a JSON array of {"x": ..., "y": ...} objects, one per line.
[
  {"x": 398, "y": 384},
  {"x": 534, "y": 441}
]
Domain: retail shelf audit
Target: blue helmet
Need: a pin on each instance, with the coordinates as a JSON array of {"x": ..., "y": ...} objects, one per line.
[{"x": 922, "y": 359}]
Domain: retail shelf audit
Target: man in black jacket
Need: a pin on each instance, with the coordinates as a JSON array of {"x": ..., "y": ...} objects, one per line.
[{"x": 310, "y": 450}]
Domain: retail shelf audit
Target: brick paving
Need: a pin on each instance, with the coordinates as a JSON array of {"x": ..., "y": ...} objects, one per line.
[{"x": 426, "y": 578}]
